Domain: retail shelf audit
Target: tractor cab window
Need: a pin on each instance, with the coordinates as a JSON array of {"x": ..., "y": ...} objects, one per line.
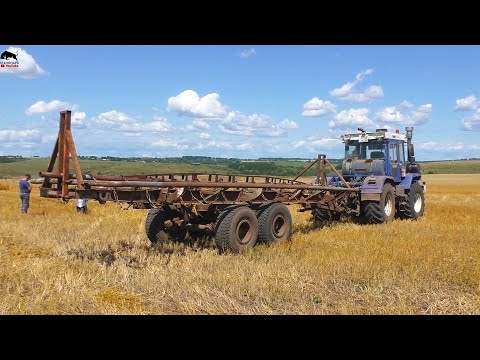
[
  {"x": 402, "y": 153},
  {"x": 393, "y": 153},
  {"x": 365, "y": 150}
]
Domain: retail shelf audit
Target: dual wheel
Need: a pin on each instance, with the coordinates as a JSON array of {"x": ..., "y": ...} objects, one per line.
[
  {"x": 385, "y": 210},
  {"x": 237, "y": 229}
]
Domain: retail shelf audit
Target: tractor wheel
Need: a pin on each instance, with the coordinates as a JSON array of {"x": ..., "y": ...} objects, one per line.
[
  {"x": 415, "y": 205},
  {"x": 383, "y": 211},
  {"x": 274, "y": 224},
  {"x": 325, "y": 215},
  {"x": 156, "y": 230},
  {"x": 236, "y": 230}
]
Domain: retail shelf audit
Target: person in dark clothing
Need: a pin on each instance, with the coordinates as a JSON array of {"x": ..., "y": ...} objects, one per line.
[{"x": 25, "y": 189}]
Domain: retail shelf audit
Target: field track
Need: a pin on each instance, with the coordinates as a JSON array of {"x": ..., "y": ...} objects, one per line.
[{"x": 54, "y": 261}]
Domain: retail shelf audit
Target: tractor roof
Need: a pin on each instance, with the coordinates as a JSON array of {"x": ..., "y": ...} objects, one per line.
[{"x": 369, "y": 136}]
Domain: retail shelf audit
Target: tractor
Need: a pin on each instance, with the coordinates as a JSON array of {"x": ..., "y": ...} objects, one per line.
[{"x": 390, "y": 182}]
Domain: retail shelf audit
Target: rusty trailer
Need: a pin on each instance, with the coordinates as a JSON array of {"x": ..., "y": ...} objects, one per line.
[{"x": 238, "y": 210}]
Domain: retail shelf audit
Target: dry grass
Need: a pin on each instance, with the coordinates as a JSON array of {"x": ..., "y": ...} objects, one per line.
[{"x": 54, "y": 261}]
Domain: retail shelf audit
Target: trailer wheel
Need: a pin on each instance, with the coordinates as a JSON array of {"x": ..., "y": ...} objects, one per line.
[
  {"x": 103, "y": 197},
  {"x": 383, "y": 211},
  {"x": 415, "y": 205},
  {"x": 274, "y": 224},
  {"x": 156, "y": 230},
  {"x": 236, "y": 230},
  {"x": 325, "y": 215}
]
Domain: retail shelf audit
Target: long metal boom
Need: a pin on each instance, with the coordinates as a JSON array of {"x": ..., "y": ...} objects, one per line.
[{"x": 205, "y": 184}]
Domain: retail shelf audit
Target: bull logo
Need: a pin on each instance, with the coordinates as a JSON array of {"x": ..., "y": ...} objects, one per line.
[{"x": 7, "y": 55}]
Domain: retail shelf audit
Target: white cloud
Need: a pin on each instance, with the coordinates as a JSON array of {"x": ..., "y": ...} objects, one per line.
[
  {"x": 472, "y": 123},
  {"x": 361, "y": 75},
  {"x": 170, "y": 144},
  {"x": 421, "y": 115},
  {"x": 406, "y": 104},
  {"x": 159, "y": 124},
  {"x": 469, "y": 103},
  {"x": 223, "y": 145},
  {"x": 189, "y": 103},
  {"x": 204, "y": 136},
  {"x": 19, "y": 135},
  {"x": 247, "y": 53},
  {"x": 391, "y": 114},
  {"x": 433, "y": 146},
  {"x": 236, "y": 123},
  {"x": 19, "y": 141},
  {"x": 348, "y": 92},
  {"x": 198, "y": 125},
  {"x": 116, "y": 120},
  {"x": 27, "y": 66},
  {"x": 77, "y": 118},
  {"x": 351, "y": 119},
  {"x": 374, "y": 92},
  {"x": 41, "y": 107},
  {"x": 317, "y": 143},
  {"x": 404, "y": 114},
  {"x": 112, "y": 119},
  {"x": 318, "y": 107},
  {"x": 288, "y": 124},
  {"x": 47, "y": 139}
]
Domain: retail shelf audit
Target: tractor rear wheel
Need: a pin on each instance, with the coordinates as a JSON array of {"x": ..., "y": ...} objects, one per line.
[
  {"x": 236, "y": 229},
  {"x": 383, "y": 211},
  {"x": 274, "y": 224},
  {"x": 415, "y": 205},
  {"x": 156, "y": 230}
]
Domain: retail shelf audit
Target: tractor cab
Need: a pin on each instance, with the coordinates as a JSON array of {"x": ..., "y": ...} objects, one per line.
[{"x": 379, "y": 153}]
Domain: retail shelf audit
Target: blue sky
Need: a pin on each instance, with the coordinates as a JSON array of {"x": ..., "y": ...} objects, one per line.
[{"x": 239, "y": 101}]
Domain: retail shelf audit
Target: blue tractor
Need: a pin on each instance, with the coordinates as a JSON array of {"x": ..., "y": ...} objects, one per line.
[{"x": 388, "y": 177}]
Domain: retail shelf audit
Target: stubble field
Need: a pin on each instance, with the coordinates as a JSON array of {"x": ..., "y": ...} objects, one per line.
[{"x": 54, "y": 261}]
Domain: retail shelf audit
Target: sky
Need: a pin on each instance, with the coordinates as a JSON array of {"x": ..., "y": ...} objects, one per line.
[{"x": 244, "y": 101}]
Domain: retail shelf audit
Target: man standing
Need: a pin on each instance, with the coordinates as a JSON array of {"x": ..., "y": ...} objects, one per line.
[{"x": 25, "y": 189}]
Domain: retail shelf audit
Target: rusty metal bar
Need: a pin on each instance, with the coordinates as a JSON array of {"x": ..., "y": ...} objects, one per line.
[
  {"x": 319, "y": 170},
  {"x": 76, "y": 164},
  {"x": 306, "y": 169},
  {"x": 66, "y": 153},
  {"x": 152, "y": 177},
  {"x": 198, "y": 184},
  {"x": 61, "y": 146},
  {"x": 324, "y": 171},
  {"x": 51, "y": 163},
  {"x": 338, "y": 174},
  {"x": 48, "y": 174}
]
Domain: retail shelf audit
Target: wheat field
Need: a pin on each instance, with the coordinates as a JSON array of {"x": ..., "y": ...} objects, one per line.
[{"x": 55, "y": 261}]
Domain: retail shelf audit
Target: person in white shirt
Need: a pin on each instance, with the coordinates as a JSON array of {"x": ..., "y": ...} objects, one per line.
[{"x": 82, "y": 205}]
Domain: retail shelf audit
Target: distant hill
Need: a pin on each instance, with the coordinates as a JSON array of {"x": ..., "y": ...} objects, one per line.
[
  {"x": 17, "y": 166},
  {"x": 451, "y": 167}
]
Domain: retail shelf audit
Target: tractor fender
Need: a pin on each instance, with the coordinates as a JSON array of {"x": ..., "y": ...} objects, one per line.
[
  {"x": 408, "y": 180},
  {"x": 372, "y": 187}
]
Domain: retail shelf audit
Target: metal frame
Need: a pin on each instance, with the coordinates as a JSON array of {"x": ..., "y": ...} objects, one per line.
[
  {"x": 64, "y": 148},
  {"x": 202, "y": 190}
]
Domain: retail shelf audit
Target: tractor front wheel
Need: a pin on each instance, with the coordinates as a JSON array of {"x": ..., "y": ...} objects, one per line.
[
  {"x": 415, "y": 205},
  {"x": 383, "y": 211}
]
